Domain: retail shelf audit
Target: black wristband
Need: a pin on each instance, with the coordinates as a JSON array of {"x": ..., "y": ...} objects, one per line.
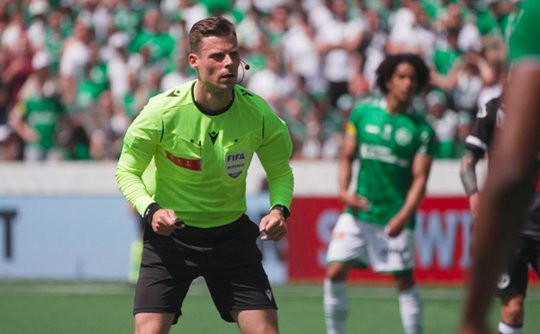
[
  {"x": 149, "y": 212},
  {"x": 283, "y": 209}
]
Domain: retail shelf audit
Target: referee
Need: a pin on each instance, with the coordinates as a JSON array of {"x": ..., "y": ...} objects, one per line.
[{"x": 202, "y": 137}]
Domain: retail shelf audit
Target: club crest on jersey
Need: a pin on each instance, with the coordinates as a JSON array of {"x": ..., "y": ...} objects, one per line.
[
  {"x": 235, "y": 163},
  {"x": 403, "y": 136}
]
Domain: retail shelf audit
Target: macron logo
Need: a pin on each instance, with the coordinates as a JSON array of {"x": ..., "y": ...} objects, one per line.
[
  {"x": 268, "y": 294},
  {"x": 213, "y": 136}
]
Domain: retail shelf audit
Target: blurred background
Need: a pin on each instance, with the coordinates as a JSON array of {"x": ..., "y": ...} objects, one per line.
[{"x": 74, "y": 73}]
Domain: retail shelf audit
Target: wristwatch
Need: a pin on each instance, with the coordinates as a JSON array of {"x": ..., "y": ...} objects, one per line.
[
  {"x": 283, "y": 209},
  {"x": 149, "y": 212}
]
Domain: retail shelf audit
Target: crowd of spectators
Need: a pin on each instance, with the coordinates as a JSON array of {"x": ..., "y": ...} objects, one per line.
[{"x": 74, "y": 73}]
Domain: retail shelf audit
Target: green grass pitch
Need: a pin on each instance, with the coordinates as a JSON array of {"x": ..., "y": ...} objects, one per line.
[{"x": 103, "y": 307}]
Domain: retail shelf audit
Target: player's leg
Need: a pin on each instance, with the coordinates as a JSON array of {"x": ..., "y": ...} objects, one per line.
[
  {"x": 336, "y": 297},
  {"x": 396, "y": 256},
  {"x": 410, "y": 303},
  {"x": 256, "y": 321},
  {"x": 512, "y": 313},
  {"x": 344, "y": 251},
  {"x": 511, "y": 290}
]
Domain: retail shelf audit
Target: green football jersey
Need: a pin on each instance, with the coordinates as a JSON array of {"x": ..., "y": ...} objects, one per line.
[
  {"x": 387, "y": 145},
  {"x": 202, "y": 160},
  {"x": 524, "y": 44},
  {"x": 43, "y": 114}
]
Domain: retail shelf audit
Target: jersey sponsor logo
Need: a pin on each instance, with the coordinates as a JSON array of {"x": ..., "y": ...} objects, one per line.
[
  {"x": 213, "y": 136},
  {"x": 235, "y": 163},
  {"x": 382, "y": 154},
  {"x": 191, "y": 164},
  {"x": 387, "y": 131},
  {"x": 403, "y": 136}
]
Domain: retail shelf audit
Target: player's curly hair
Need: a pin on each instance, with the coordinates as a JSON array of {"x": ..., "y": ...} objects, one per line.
[
  {"x": 210, "y": 26},
  {"x": 387, "y": 68}
]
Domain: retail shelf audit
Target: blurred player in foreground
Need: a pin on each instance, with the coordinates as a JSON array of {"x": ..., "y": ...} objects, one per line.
[
  {"x": 202, "y": 136},
  {"x": 395, "y": 146},
  {"x": 511, "y": 172},
  {"x": 512, "y": 285}
]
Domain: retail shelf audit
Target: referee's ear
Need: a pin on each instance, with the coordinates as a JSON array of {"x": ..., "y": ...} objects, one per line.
[{"x": 193, "y": 61}]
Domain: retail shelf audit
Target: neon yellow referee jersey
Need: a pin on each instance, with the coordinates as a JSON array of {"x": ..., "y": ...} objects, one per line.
[{"x": 202, "y": 160}]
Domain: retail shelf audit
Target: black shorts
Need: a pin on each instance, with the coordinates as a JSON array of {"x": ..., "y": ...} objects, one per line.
[
  {"x": 227, "y": 257},
  {"x": 514, "y": 281}
]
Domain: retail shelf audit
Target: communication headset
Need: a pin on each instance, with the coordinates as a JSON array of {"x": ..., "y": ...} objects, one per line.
[{"x": 245, "y": 65}]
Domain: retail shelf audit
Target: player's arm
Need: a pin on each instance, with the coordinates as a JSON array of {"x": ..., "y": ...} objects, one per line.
[
  {"x": 345, "y": 168},
  {"x": 467, "y": 174},
  {"x": 346, "y": 159},
  {"x": 476, "y": 143},
  {"x": 421, "y": 167}
]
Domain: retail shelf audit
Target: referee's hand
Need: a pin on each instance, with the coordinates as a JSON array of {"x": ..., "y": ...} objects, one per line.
[
  {"x": 164, "y": 222},
  {"x": 272, "y": 226}
]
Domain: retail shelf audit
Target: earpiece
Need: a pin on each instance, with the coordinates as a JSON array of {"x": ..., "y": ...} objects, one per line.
[{"x": 246, "y": 65}]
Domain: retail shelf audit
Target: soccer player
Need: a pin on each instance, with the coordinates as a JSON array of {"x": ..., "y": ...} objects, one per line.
[
  {"x": 395, "y": 146},
  {"x": 512, "y": 285},
  {"x": 202, "y": 136},
  {"x": 511, "y": 172}
]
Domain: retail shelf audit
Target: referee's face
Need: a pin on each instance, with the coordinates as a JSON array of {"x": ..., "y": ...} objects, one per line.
[{"x": 217, "y": 62}]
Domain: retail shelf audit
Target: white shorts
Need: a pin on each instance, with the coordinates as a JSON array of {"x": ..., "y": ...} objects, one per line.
[{"x": 365, "y": 244}]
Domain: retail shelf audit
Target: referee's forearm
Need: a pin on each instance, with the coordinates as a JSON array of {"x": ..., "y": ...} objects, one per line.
[
  {"x": 281, "y": 188},
  {"x": 133, "y": 189}
]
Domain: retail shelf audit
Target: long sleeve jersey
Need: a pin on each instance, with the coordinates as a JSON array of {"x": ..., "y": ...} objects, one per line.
[{"x": 201, "y": 160}]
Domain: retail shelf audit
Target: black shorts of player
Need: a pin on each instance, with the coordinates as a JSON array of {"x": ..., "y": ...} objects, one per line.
[
  {"x": 227, "y": 257},
  {"x": 515, "y": 280}
]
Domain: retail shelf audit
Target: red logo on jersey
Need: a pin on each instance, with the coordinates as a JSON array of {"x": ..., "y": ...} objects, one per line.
[{"x": 192, "y": 164}]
